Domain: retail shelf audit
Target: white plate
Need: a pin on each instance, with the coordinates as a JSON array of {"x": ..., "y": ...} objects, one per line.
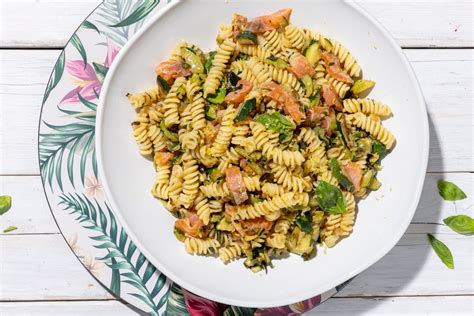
[{"x": 382, "y": 218}]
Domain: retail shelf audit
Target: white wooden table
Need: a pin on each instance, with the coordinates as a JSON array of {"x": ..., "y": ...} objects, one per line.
[{"x": 39, "y": 274}]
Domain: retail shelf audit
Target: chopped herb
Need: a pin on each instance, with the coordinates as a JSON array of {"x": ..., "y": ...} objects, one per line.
[
  {"x": 305, "y": 223},
  {"x": 379, "y": 149},
  {"x": 168, "y": 134},
  {"x": 461, "y": 224},
  {"x": 208, "y": 63},
  {"x": 276, "y": 122},
  {"x": 442, "y": 251},
  {"x": 10, "y": 229},
  {"x": 162, "y": 83},
  {"x": 449, "y": 191},
  {"x": 5, "y": 203},
  {"x": 330, "y": 198},
  {"x": 245, "y": 109}
]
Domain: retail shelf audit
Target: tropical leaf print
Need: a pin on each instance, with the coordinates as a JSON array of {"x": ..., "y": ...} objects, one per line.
[
  {"x": 77, "y": 43},
  {"x": 128, "y": 264},
  {"x": 89, "y": 25},
  {"x": 55, "y": 76},
  {"x": 176, "y": 304},
  {"x": 239, "y": 311},
  {"x": 140, "y": 13},
  {"x": 65, "y": 142},
  {"x": 112, "y": 12}
]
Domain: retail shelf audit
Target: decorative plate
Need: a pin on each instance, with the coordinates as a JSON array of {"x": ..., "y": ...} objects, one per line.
[{"x": 67, "y": 159}]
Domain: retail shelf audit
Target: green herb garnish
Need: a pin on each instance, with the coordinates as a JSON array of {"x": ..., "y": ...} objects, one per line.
[
  {"x": 461, "y": 224},
  {"x": 305, "y": 223},
  {"x": 449, "y": 191},
  {"x": 442, "y": 251},
  {"x": 10, "y": 229},
  {"x": 330, "y": 198},
  {"x": 276, "y": 122},
  {"x": 219, "y": 97},
  {"x": 208, "y": 63},
  {"x": 5, "y": 203}
]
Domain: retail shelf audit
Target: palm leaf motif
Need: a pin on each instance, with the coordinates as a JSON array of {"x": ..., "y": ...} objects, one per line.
[
  {"x": 56, "y": 76},
  {"x": 176, "y": 304},
  {"x": 113, "y": 12},
  {"x": 64, "y": 142},
  {"x": 127, "y": 263},
  {"x": 239, "y": 311},
  {"x": 139, "y": 14}
]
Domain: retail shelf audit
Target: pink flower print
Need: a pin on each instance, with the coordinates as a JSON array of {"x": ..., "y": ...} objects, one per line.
[
  {"x": 72, "y": 242},
  {"x": 85, "y": 79},
  {"x": 199, "y": 306},
  {"x": 92, "y": 265},
  {"x": 112, "y": 52},
  {"x": 93, "y": 188}
]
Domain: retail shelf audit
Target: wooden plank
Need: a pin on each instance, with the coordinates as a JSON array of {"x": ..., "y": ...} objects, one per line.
[
  {"x": 411, "y": 268},
  {"x": 30, "y": 212},
  {"x": 449, "y": 305},
  {"x": 42, "y": 267},
  {"x": 444, "y": 75},
  {"x": 409, "y": 306},
  {"x": 115, "y": 308},
  {"x": 419, "y": 23}
]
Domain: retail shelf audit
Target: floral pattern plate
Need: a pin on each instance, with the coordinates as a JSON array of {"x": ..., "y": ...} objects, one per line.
[{"x": 67, "y": 159}]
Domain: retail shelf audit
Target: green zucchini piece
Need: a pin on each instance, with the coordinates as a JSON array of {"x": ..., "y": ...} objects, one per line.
[
  {"x": 313, "y": 54},
  {"x": 277, "y": 62},
  {"x": 219, "y": 97},
  {"x": 208, "y": 63},
  {"x": 245, "y": 109},
  {"x": 374, "y": 185},
  {"x": 172, "y": 146},
  {"x": 326, "y": 44},
  {"x": 192, "y": 59},
  {"x": 362, "y": 86},
  {"x": 247, "y": 38},
  {"x": 256, "y": 168},
  {"x": 173, "y": 137},
  {"x": 162, "y": 84},
  {"x": 211, "y": 112},
  {"x": 308, "y": 84}
]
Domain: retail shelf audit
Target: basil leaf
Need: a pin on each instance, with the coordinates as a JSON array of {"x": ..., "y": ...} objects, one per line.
[
  {"x": 162, "y": 83},
  {"x": 305, "y": 223},
  {"x": 10, "y": 229},
  {"x": 379, "y": 148},
  {"x": 461, "y": 224},
  {"x": 442, "y": 251},
  {"x": 5, "y": 203},
  {"x": 449, "y": 191},
  {"x": 340, "y": 176},
  {"x": 208, "y": 63},
  {"x": 245, "y": 109},
  {"x": 219, "y": 97},
  {"x": 276, "y": 122},
  {"x": 330, "y": 198}
]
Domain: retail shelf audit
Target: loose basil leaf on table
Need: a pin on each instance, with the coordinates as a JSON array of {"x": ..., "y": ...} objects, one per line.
[
  {"x": 10, "y": 229},
  {"x": 461, "y": 224},
  {"x": 5, "y": 203},
  {"x": 442, "y": 251},
  {"x": 449, "y": 191},
  {"x": 330, "y": 198}
]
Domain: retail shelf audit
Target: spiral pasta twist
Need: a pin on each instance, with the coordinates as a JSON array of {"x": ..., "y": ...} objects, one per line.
[
  {"x": 176, "y": 183},
  {"x": 284, "y": 77},
  {"x": 225, "y": 133},
  {"x": 227, "y": 254},
  {"x": 145, "y": 98},
  {"x": 140, "y": 127},
  {"x": 258, "y": 70},
  {"x": 160, "y": 187},
  {"x": 295, "y": 37},
  {"x": 191, "y": 181},
  {"x": 276, "y": 240},
  {"x": 196, "y": 106},
  {"x": 221, "y": 190},
  {"x": 367, "y": 106},
  {"x": 219, "y": 63},
  {"x": 200, "y": 246},
  {"x": 266, "y": 207},
  {"x": 274, "y": 41},
  {"x": 156, "y": 136},
  {"x": 375, "y": 128},
  {"x": 288, "y": 180},
  {"x": 172, "y": 101},
  {"x": 240, "y": 68},
  {"x": 337, "y": 226},
  {"x": 254, "y": 50}
]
